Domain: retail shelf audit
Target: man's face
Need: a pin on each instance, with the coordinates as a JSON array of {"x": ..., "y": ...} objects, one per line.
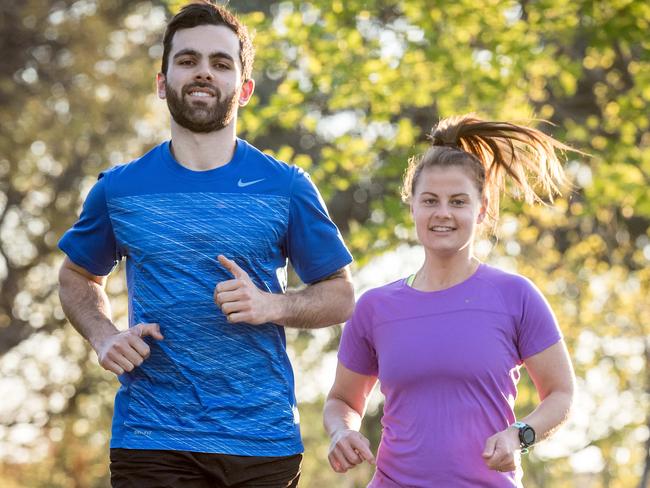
[{"x": 203, "y": 85}]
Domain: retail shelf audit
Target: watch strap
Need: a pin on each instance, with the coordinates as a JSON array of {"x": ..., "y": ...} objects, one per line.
[{"x": 521, "y": 427}]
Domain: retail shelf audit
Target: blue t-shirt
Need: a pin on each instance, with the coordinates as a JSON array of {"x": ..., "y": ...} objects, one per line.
[{"x": 208, "y": 386}]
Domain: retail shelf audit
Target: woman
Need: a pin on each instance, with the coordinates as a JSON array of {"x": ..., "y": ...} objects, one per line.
[{"x": 447, "y": 343}]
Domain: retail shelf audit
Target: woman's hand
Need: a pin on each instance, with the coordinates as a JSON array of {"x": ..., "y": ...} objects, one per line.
[
  {"x": 349, "y": 448},
  {"x": 503, "y": 450}
]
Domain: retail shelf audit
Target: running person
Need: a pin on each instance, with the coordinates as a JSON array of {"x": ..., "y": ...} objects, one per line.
[
  {"x": 206, "y": 224},
  {"x": 447, "y": 343}
]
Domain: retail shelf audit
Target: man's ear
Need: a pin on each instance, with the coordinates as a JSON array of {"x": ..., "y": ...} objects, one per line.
[
  {"x": 246, "y": 92},
  {"x": 160, "y": 86}
]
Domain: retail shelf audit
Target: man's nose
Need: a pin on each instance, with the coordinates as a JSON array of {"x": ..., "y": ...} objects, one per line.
[{"x": 204, "y": 72}]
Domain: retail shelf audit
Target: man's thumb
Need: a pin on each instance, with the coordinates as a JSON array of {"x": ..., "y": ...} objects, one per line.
[
  {"x": 152, "y": 330},
  {"x": 232, "y": 267}
]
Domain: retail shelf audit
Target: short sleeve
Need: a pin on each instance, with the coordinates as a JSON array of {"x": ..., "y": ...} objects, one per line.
[
  {"x": 538, "y": 328},
  {"x": 90, "y": 243},
  {"x": 314, "y": 244},
  {"x": 357, "y": 351}
]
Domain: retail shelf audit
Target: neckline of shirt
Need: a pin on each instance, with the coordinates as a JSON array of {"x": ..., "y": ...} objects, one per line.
[
  {"x": 217, "y": 173},
  {"x": 405, "y": 285}
]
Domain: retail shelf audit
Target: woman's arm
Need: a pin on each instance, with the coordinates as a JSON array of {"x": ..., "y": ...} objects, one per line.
[
  {"x": 554, "y": 379},
  {"x": 344, "y": 409}
]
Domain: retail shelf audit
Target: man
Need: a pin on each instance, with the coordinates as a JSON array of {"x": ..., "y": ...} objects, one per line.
[{"x": 206, "y": 223}]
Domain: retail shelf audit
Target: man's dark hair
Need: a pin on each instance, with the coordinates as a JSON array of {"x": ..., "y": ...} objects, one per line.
[{"x": 207, "y": 13}]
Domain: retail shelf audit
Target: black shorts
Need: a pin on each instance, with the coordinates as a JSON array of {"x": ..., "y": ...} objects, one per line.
[{"x": 143, "y": 468}]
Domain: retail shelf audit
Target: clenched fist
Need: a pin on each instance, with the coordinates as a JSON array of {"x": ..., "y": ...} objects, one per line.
[
  {"x": 347, "y": 449},
  {"x": 125, "y": 350}
]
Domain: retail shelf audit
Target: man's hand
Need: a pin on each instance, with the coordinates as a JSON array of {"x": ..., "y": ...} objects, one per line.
[
  {"x": 503, "y": 450},
  {"x": 239, "y": 299},
  {"x": 347, "y": 449},
  {"x": 125, "y": 350}
]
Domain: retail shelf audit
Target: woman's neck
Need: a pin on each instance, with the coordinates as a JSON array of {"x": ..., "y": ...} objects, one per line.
[{"x": 441, "y": 273}]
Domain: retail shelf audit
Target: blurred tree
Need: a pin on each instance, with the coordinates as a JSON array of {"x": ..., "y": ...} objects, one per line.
[
  {"x": 348, "y": 91},
  {"x": 76, "y": 85}
]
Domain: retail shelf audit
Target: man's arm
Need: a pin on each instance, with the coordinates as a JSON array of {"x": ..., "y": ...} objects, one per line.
[
  {"x": 326, "y": 302},
  {"x": 86, "y": 304}
]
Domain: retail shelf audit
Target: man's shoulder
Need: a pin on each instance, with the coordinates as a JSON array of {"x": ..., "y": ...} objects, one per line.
[
  {"x": 135, "y": 167},
  {"x": 270, "y": 164}
]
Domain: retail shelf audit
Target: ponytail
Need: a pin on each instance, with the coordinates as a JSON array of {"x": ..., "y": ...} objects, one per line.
[{"x": 500, "y": 156}]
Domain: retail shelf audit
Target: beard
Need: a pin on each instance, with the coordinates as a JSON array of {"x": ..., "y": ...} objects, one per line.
[{"x": 201, "y": 117}]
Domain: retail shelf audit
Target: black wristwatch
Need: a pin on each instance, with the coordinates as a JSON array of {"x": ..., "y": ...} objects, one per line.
[{"x": 526, "y": 436}]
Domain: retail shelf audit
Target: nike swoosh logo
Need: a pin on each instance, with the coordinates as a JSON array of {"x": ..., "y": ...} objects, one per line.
[{"x": 242, "y": 184}]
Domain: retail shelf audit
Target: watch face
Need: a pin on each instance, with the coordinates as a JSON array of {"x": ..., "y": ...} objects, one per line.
[{"x": 528, "y": 436}]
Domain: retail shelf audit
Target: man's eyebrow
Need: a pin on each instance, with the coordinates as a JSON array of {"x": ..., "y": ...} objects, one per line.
[
  {"x": 186, "y": 52},
  {"x": 194, "y": 52},
  {"x": 221, "y": 55}
]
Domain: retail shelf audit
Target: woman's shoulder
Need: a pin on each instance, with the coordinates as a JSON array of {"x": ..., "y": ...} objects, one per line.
[
  {"x": 376, "y": 303},
  {"x": 504, "y": 278},
  {"x": 514, "y": 289},
  {"x": 380, "y": 294},
  {"x": 383, "y": 291}
]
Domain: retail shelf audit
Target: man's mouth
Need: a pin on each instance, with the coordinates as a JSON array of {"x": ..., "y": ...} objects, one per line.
[{"x": 201, "y": 92}]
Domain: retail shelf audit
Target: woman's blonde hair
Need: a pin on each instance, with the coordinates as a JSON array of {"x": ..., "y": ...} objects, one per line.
[{"x": 493, "y": 152}]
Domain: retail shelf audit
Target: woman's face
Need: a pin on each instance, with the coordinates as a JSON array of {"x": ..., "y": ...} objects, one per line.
[{"x": 447, "y": 207}]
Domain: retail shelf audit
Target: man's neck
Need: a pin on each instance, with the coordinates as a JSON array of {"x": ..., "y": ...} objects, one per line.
[{"x": 202, "y": 152}]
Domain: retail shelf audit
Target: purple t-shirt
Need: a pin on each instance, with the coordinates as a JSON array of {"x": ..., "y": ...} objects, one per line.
[{"x": 448, "y": 364}]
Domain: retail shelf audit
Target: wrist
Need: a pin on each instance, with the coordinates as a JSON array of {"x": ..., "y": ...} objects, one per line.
[
  {"x": 513, "y": 434},
  {"x": 276, "y": 308},
  {"x": 526, "y": 435},
  {"x": 104, "y": 332},
  {"x": 338, "y": 433}
]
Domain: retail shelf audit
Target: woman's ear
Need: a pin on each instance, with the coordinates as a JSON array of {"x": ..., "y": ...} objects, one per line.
[{"x": 482, "y": 211}]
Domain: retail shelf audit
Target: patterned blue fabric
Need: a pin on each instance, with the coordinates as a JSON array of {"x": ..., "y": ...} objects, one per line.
[{"x": 208, "y": 386}]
